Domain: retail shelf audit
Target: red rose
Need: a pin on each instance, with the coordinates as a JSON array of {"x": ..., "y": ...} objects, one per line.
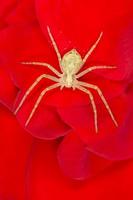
[{"x": 66, "y": 116}]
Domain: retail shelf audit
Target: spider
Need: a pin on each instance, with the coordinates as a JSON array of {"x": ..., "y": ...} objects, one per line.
[{"x": 70, "y": 64}]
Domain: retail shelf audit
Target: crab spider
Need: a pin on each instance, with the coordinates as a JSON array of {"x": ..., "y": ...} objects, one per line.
[{"x": 70, "y": 64}]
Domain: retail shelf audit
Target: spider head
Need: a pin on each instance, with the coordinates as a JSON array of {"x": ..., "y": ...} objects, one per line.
[{"x": 71, "y": 62}]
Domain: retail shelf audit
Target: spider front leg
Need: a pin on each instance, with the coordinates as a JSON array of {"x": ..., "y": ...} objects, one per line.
[
  {"x": 92, "y": 48},
  {"x": 92, "y": 103},
  {"x": 39, "y": 100},
  {"x": 45, "y": 65},
  {"x": 94, "y": 68},
  {"x": 102, "y": 98},
  {"x": 33, "y": 86},
  {"x": 55, "y": 47}
]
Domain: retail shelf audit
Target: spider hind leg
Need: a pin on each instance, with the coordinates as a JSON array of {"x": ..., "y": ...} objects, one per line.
[
  {"x": 29, "y": 90},
  {"x": 39, "y": 100},
  {"x": 96, "y": 88},
  {"x": 92, "y": 103}
]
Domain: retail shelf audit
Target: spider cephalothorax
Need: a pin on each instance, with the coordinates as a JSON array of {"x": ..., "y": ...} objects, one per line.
[{"x": 70, "y": 64}]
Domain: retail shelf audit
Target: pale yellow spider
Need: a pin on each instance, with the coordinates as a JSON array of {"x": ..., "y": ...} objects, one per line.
[{"x": 70, "y": 64}]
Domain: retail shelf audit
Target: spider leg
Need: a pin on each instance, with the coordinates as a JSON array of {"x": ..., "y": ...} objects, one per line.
[
  {"x": 39, "y": 100},
  {"x": 55, "y": 47},
  {"x": 32, "y": 87},
  {"x": 102, "y": 98},
  {"x": 94, "y": 68},
  {"x": 92, "y": 102},
  {"x": 43, "y": 64},
  {"x": 92, "y": 48}
]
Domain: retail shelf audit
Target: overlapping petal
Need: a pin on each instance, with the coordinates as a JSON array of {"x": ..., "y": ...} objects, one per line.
[
  {"x": 81, "y": 34},
  {"x": 45, "y": 179},
  {"x": 76, "y": 161},
  {"x": 8, "y": 91},
  {"x": 15, "y": 150},
  {"x": 24, "y": 37}
]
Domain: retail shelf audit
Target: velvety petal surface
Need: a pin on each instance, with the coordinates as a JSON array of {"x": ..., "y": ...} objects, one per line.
[
  {"x": 15, "y": 150},
  {"x": 46, "y": 181},
  {"x": 76, "y": 161},
  {"x": 111, "y": 142},
  {"x": 8, "y": 91}
]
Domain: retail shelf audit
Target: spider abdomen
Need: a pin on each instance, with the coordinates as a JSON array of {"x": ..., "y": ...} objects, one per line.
[{"x": 68, "y": 80}]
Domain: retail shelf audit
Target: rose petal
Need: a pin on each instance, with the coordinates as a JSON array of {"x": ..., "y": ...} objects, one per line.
[
  {"x": 23, "y": 48},
  {"x": 124, "y": 54},
  {"x": 20, "y": 13},
  {"x": 110, "y": 142},
  {"x": 8, "y": 91},
  {"x": 76, "y": 161},
  {"x": 71, "y": 30},
  {"x": 5, "y": 8},
  {"x": 15, "y": 150},
  {"x": 45, "y": 123},
  {"x": 44, "y": 172},
  {"x": 82, "y": 117},
  {"x": 118, "y": 146}
]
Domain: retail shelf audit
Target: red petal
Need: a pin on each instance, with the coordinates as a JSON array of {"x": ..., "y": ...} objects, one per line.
[
  {"x": 71, "y": 30},
  {"x": 20, "y": 14},
  {"x": 15, "y": 149},
  {"x": 76, "y": 161},
  {"x": 5, "y": 8},
  {"x": 44, "y": 172},
  {"x": 25, "y": 43},
  {"x": 110, "y": 142},
  {"x": 8, "y": 91},
  {"x": 124, "y": 55},
  {"x": 46, "y": 122}
]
